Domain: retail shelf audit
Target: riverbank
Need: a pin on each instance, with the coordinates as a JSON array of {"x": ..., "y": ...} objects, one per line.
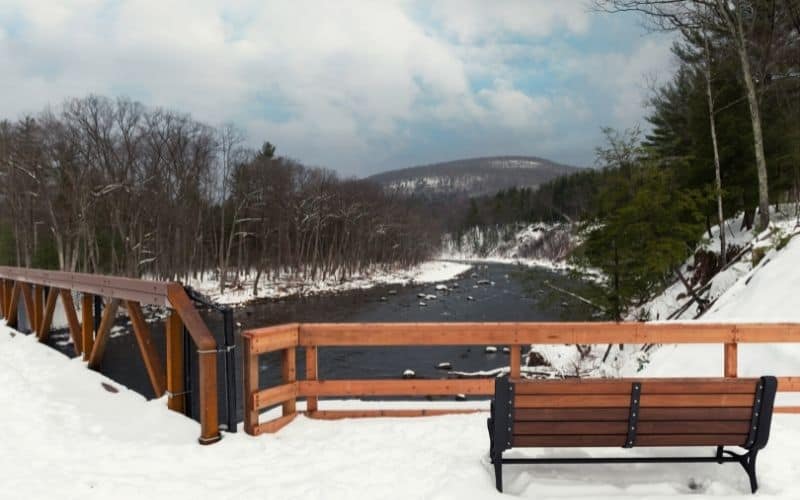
[{"x": 435, "y": 271}]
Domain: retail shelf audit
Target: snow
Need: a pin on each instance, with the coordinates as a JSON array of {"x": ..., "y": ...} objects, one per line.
[
  {"x": 73, "y": 433},
  {"x": 662, "y": 306},
  {"x": 68, "y": 437},
  {"x": 766, "y": 294},
  {"x": 426, "y": 272}
]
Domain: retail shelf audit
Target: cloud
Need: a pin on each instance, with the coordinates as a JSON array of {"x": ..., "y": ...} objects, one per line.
[{"x": 355, "y": 85}]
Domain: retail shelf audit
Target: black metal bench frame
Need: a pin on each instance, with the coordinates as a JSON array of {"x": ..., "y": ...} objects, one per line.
[{"x": 501, "y": 423}]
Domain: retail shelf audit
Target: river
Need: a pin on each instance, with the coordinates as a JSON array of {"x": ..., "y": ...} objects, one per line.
[{"x": 488, "y": 292}]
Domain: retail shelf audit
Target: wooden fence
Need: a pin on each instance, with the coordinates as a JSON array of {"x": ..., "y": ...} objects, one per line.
[
  {"x": 39, "y": 291},
  {"x": 288, "y": 338}
]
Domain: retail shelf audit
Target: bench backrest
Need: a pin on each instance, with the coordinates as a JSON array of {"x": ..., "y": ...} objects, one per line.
[{"x": 632, "y": 412}]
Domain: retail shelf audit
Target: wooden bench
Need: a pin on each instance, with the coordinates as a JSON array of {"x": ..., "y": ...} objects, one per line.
[{"x": 632, "y": 412}]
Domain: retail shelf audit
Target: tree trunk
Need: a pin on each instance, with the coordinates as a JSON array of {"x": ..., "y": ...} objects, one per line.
[
  {"x": 755, "y": 119},
  {"x": 717, "y": 177}
]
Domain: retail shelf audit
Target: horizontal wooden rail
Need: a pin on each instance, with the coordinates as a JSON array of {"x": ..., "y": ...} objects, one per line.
[
  {"x": 311, "y": 337},
  {"x": 29, "y": 285},
  {"x": 400, "y": 334}
]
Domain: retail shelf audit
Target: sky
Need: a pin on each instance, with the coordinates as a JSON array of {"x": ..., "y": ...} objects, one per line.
[{"x": 359, "y": 86}]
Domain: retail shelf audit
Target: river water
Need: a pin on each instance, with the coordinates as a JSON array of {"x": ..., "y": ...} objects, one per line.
[{"x": 488, "y": 292}]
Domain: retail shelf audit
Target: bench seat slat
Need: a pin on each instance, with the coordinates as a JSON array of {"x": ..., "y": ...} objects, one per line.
[
  {"x": 568, "y": 441},
  {"x": 594, "y": 427},
  {"x": 699, "y": 413},
  {"x": 568, "y": 414},
  {"x": 617, "y": 440},
  {"x": 614, "y": 414},
  {"x": 649, "y": 386},
  {"x": 691, "y": 440},
  {"x": 623, "y": 401}
]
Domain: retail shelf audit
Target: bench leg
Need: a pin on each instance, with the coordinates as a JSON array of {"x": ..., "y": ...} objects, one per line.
[
  {"x": 749, "y": 464},
  {"x": 498, "y": 474},
  {"x": 719, "y": 453}
]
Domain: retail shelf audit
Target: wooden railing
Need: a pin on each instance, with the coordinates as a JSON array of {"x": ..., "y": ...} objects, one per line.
[
  {"x": 39, "y": 291},
  {"x": 288, "y": 338}
]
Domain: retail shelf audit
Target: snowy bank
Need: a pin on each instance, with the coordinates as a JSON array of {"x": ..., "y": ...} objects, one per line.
[
  {"x": 768, "y": 293},
  {"x": 531, "y": 245},
  {"x": 69, "y": 437},
  {"x": 428, "y": 272}
]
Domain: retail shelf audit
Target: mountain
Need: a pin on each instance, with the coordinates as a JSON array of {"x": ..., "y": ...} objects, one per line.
[{"x": 472, "y": 176}]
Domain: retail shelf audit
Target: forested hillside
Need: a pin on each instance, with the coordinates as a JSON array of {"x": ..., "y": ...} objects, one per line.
[
  {"x": 472, "y": 177},
  {"x": 723, "y": 138}
]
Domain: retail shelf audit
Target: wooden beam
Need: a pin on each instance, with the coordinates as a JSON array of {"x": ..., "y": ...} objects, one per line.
[
  {"x": 175, "y": 364},
  {"x": 72, "y": 320},
  {"x": 274, "y": 425},
  {"x": 143, "y": 291},
  {"x": 787, "y": 409},
  {"x": 251, "y": 384},
  {"x": 274, "y": 395},
  {"x": 273, "y": 338},
  {"x": 147, "y": 348},
  {"x": 87, "y": 325},
  {"x": 731, "y": 360},
  {"x": 397, "y": 387},
  {"x": 103, "y": 333},
  {"x": 289, "y": 376},
  {"x": 46, "y": 319},
  {"x": 27, "y": 298},
  {"x": 13, "y": 305},
  {"x": 3, "y": 298},
  {"x": 788, "y": 384},
  {"x": 515, "y": 361},
  {"x": 207, "y": 361},
  {"x": 388, "y": 334},
  {"x": 38, "y": 306},
  {"x": 337, "y": 414},
  {"x": 312, "y": 402}
]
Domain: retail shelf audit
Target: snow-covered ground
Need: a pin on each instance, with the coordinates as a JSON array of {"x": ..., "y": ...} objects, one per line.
[
  {"x": 675, "y": 296},
  {"x": 69, "y": 435},
  {"x": 428, "y": 272}
]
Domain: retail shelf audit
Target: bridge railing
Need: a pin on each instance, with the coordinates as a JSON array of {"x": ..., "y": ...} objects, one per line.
[
  {"x": 287, "y": 339},
  {"x": 38, "y": 291}
]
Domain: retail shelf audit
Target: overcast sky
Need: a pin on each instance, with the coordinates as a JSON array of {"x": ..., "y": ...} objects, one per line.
[{"x": 358, "y": 86}]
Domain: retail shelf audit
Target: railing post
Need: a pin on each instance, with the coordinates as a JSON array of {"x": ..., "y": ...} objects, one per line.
[
  {"x": 731, "y": 360},
  {"x": 87, "y": 325},
  {"x": 230, "y": 368},
  {"x": 175, "y": 387},
  {"x": 3, "y": 303},
  {"x": 515, "y": 361},
  {"x": 312, "y": 402},
  {"x": 250, "y": 376},
  {"x": 289, "y": 375},
  {"x": 207, "y": 362},
  {"x": 13, "y": 303},
  {"x": 38, "y": 307}
]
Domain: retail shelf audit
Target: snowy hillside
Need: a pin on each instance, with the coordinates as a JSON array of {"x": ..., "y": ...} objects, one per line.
[
  {"x": 676, "y": 302},
  {"x": 530, "y": 244},
  {"x": 472, "y": 177}
]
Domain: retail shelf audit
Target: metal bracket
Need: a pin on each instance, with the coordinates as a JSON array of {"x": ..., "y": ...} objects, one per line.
[
  {"x": 510, "y": 413},
  {"x": 751, "y": 435},
  {"x": 633, "y": 414}
]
